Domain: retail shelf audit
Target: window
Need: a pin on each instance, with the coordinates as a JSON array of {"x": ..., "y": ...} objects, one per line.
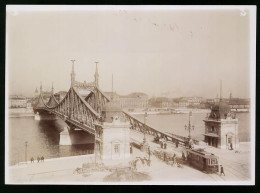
[{"x": 116, "y": 148}]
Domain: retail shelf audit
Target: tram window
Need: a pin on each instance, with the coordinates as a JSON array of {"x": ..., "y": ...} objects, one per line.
[{"x": 213, "y": 161}]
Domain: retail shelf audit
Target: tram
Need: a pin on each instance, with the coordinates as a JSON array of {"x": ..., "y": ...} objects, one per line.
[{"x": 202, "y": 160}]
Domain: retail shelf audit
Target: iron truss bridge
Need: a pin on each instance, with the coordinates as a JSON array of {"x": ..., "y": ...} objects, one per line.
[{"x": 82, "y": 113}]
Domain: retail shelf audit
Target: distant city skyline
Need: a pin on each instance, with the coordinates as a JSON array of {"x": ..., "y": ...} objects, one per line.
[{"x": 169, "y": 53}]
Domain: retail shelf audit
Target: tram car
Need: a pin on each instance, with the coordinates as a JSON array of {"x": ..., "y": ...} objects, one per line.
[{"x": 202, "y": 160}]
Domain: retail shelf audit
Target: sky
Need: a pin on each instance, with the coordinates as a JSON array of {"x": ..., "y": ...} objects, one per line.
[{"x": 161, "y": 52}]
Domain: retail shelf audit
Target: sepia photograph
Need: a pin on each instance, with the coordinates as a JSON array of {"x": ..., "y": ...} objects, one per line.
[{"x": 136, "y": 95}]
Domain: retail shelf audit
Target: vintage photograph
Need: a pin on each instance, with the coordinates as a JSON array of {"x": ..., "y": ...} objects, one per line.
[{"x": 130, "y": 95}]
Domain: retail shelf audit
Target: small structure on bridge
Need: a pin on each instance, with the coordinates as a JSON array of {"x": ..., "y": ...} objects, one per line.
[{"x": 112, "y": 141}]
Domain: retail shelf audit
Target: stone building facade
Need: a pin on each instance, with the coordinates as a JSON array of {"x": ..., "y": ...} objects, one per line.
[
  {"x": 221, "y": 127},
  {"x": 112, "y": 141}
]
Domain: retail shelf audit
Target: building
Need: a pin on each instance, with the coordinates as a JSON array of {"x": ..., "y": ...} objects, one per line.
[
  {"x": 183, "y": 103},
  {"x": 160, "y": 102},
  {"x": 131, "y": 102},
  {"x": 194, "y": 101},
  {"x": 237, "y": 104},
  {"x": 16, "y": 101},
  {"x": 221, "y": 127},
  {"x": 136, "y": 100},
  {"x": 112, "y": 141}
]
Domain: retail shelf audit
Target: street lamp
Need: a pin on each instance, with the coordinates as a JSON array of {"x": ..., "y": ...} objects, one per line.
[
  {"x": 189, "y": 127},
  {"x": 145, "y": 145},
  {"x": 26, "y": 142},
  {"x": 145, "y": 117}
]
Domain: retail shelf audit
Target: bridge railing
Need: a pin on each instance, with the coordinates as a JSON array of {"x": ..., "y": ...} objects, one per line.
[{"x": 141, "y": 127}]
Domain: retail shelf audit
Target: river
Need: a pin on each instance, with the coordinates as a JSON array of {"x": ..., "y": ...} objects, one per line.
[{"x": 43, "y": 136}]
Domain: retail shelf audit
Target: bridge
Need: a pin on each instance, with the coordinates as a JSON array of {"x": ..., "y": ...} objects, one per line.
[{"x": 82, "y": 112}]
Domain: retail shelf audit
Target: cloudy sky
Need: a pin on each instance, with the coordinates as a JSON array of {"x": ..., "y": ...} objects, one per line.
[{"x": 162, "y": 52}]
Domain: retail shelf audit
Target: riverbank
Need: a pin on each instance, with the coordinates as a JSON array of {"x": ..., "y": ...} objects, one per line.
[{"x": 20, "y": 112}]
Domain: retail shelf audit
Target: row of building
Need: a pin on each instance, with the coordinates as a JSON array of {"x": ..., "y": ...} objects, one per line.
[
  {"x": 197, "y": 102},
  {"x": 19, "y": 101},
  {"x": 139, "y": 101}
]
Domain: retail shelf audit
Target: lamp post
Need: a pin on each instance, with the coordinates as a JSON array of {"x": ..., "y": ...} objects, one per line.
[
  {"x": 145, "y": 145},
  {"x": 145, "y": 117},
  {"x": 26, "y": 142},
  {"x": 189, "y": 127}
]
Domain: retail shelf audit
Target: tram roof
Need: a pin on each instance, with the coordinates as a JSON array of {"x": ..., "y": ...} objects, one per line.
[{"x": 202, "y": 153}]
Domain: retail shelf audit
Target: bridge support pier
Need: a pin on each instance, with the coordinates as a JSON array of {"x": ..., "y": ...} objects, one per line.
[
  {"x": 65, "y": 137},
  {"x": 37, "y": 117}
]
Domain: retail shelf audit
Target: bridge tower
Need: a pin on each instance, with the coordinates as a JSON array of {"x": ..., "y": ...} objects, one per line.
[
  {"x": 72, "y": 75},
  {"x": 96, "y": 76}
]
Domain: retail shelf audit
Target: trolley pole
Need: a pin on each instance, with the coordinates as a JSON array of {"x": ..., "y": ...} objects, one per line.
[{"x": 145, "y": 117}]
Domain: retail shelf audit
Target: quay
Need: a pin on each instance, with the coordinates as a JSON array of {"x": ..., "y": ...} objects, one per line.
[{"x": 62, "y": 170}]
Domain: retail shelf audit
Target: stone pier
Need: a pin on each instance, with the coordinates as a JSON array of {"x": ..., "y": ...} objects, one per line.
[
  {"x": 65, "y": 137},
  {"x": 37, "y": 117}
]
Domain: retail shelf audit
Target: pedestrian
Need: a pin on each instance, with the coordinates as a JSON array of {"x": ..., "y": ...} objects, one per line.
[
  {"x": 231, "y": 146},
  {"x": 149, "y": 152},
  {"x": 164, "y": 156},
  {"x": 32, "y": 160},
  {"x": 38, "y": 159},
  {"x": 42, "y": 159},
  {"x": 183, "y": 156},
  {"x": 131, "y": 149},
  {"x": 173, "y": 159},
  {"x": 177, "y": 143},
  {"x": 222, "y": 170}
]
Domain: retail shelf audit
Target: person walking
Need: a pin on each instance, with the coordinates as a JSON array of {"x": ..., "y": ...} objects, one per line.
[
  {"x": 149, "y": 152},
  {"x": 177, "y": 143},
  {"x": 173, "y": 160},
  {"x": 32, "y": 160},
  {"x": 183, "y": 156},
  {"x": 42, "y": 159},
  {"x": 222, "y": 170},
  {"x": 165, "y": 145},
  {"x": 164, "y": 156}
]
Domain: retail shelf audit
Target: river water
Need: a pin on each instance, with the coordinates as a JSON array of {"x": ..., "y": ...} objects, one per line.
[{"x": 43, "y": 136}]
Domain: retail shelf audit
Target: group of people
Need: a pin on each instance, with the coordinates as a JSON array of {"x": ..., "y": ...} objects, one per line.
[
  {"x": 39, "y": 159},
  {"x": 163, "y": 142}
]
